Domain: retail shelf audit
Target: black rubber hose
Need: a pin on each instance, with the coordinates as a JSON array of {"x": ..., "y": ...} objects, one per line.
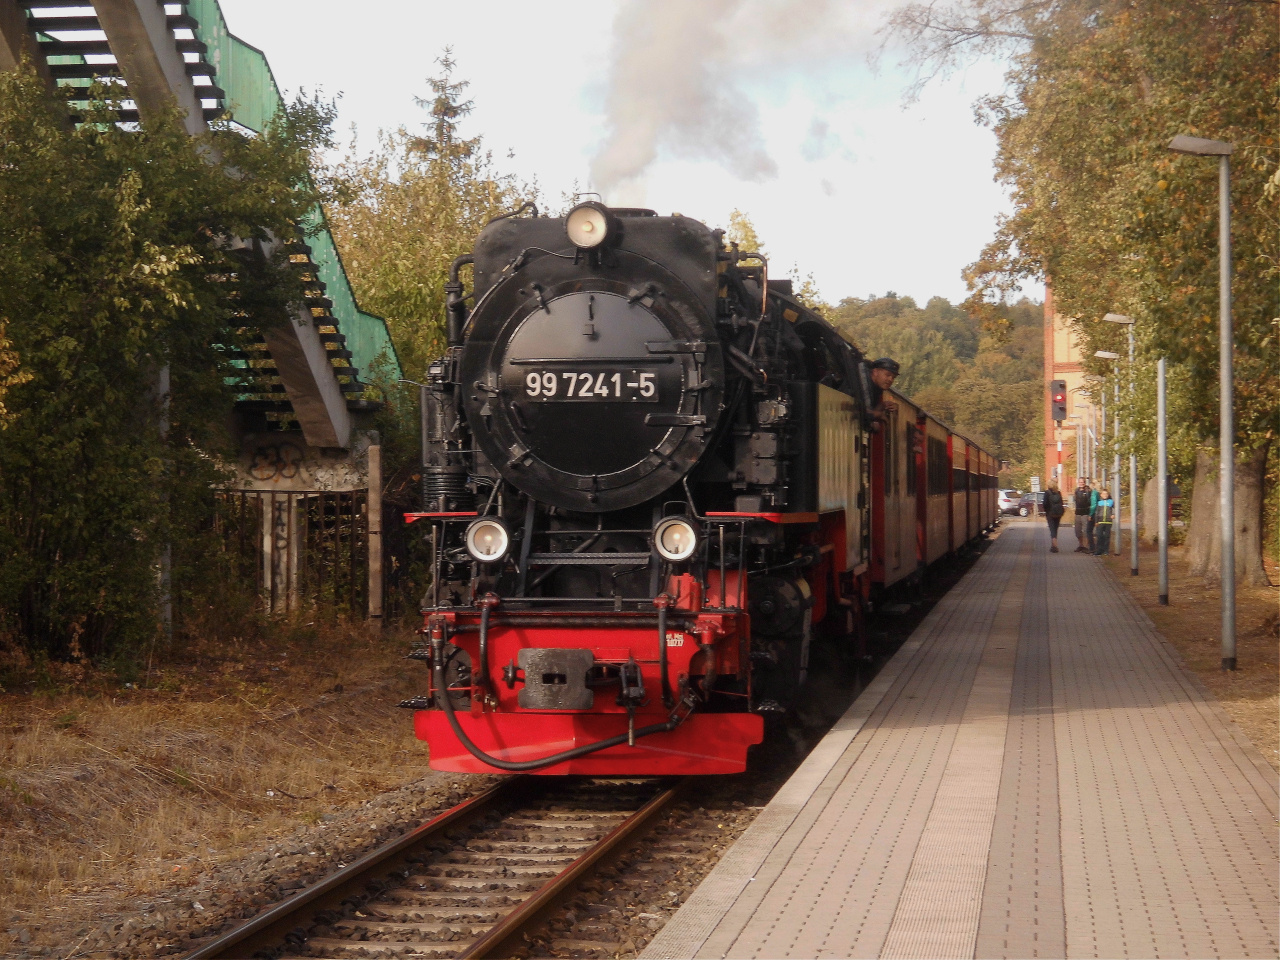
[
  {"x": 668, "y": 701},
  {"x": 521, "y": 766}
]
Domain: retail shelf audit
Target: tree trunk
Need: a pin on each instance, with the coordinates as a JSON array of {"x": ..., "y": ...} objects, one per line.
[
  {"x": 1204, "y": 537},
  {"x": 1251, "y": 473}
]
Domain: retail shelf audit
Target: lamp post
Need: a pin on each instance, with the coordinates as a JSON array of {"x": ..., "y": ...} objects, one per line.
[
  {"x": 1102, "y": 434},
  {"x": 1226, "y": 414},
  {"x": 1162, "y": 485},
  {"x": 1133, "y": 456},
  {"x": 1115, "y": 482},
  {"x": 1077, "y": 426}
]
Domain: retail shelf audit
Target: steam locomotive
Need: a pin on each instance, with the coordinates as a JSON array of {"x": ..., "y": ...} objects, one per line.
[{"x": 651, "y": 487}]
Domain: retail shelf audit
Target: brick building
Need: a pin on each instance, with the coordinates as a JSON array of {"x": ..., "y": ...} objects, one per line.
[{"x": 1062, "y": 361}]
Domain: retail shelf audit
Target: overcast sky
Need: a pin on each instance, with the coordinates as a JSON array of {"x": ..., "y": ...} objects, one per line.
[{"x": 695, "y": 106}]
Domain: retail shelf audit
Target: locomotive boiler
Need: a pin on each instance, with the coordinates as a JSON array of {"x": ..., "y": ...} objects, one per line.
[{"x": 646, "y": 493}]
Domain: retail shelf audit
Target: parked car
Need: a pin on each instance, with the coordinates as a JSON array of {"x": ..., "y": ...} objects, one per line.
[
  {"x": 1030, "y": 503},
  {"x": 1007, "y": 501}
]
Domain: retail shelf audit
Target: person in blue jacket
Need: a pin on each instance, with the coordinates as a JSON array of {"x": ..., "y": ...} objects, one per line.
[{"x": 1102, "y": 516}]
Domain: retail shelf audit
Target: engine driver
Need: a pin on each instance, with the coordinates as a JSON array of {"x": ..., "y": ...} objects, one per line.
[{"x": 883, "y": 372}]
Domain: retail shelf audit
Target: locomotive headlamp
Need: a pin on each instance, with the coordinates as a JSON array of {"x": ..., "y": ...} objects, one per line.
[
  {"x": 587, "y": 225},
  {"x": 488, "y": 540},
  {"x": 675, "y": 539}
]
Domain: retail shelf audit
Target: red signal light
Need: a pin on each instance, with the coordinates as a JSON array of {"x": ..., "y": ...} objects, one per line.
[{"x": 1058, "y": 393}]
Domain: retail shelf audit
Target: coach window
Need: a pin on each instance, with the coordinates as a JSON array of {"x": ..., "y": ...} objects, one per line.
[{"x": 937, "y": 466}]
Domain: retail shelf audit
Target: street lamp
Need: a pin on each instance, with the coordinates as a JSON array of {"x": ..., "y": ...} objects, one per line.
[
  {"x": 1116, "y": 478},
  {"x": 1162, "y": 486},
  {"x": 1092, "y": 384},
  {"x": 1226, "y": 451},
  {"x": 1133, "y": 456}
]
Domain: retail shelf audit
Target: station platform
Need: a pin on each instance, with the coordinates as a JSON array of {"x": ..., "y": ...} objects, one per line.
[{"x": 1033, "y": 774}]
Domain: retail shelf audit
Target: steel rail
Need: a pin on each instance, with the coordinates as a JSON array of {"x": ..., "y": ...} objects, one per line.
[
  {"x": 270, "y": 927},
  {"x": 274, "y": 925},
  {"x": 505, "y": 934}
]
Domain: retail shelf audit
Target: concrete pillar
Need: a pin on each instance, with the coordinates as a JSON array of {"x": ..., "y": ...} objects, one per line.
[
  {"x": 309, "y": 381},
  {"x": 153, "y": 69},
  {"x": 281, "y": 542},
  {"x": 17, "y": 41}
]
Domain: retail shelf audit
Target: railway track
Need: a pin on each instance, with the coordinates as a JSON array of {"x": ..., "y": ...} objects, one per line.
[{"x": 465, "y": 884}]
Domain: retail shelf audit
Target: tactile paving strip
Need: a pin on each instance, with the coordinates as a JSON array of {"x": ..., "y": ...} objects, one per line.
[
  {"x": 938, "y": 910},
  {"x": 1022, "y": 913}
]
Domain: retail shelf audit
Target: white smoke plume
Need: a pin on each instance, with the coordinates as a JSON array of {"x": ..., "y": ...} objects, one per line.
[{"x": 678, "y": 72}]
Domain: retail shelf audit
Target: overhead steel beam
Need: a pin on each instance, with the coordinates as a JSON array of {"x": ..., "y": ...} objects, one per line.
[
  {"x": 153, "y": 69},
  {"x": 304, "y": 368}
]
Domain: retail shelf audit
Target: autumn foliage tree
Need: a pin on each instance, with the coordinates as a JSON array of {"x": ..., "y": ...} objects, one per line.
[
  {"x": 400, "y": 215},
  {"x": 984, "y": 385},
  {"x": 1115, "y": 222},
  {"x": 404, "y": 211}
]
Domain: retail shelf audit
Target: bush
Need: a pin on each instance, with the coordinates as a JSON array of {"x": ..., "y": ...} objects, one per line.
[{"x": 119, "y": 265}]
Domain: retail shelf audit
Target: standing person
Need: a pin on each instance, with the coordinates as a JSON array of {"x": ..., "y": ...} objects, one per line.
[
  {"x": 1102, "y": 522},
  {"x": 1084, "y": 528},
  {"x": 1054, "y": 508}
]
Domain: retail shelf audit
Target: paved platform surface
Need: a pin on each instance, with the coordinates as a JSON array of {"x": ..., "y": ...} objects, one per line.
[{"x": 1032, "y": 775}]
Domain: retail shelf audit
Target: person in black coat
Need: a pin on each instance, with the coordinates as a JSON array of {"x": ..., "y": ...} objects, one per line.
[
  {"x": 1084, "y": 522},
  {"x": 882, "y": 374},
  {"x": 1054, "y": 508}
]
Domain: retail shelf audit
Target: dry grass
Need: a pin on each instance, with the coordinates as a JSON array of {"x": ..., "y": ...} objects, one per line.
[
  {"x": 1192, "y": 623},
  {"x": 110, "y": 793}
]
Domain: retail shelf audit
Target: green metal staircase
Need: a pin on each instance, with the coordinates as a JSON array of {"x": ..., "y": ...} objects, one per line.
[{"x": 183, "y": 51}]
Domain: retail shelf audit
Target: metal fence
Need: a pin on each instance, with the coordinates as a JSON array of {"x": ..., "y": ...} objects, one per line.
[
  {"x": 309, "y": 549},
  {"x": 300, "y": 549}
]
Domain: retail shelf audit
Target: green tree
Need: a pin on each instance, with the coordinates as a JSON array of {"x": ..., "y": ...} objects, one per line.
[
  {"x": 11, "y": 375},
  {"x": 1117, "y": 223},
  {"x": 119, "y": 261},
  {"x": 404, "y": 212},
  {"x": 400, "y": 216},
  {"x": 743, "y": 233}
]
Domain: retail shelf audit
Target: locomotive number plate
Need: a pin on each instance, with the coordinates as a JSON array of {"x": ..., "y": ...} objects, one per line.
[{"x": 628, "y": 386}]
